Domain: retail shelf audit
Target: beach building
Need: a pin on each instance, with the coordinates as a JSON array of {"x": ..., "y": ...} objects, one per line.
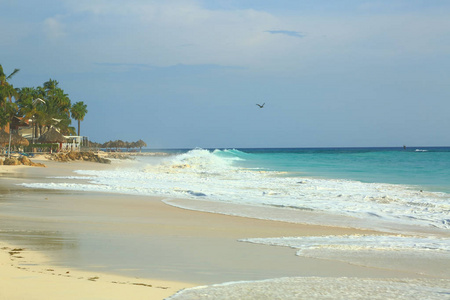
[
  {"x": 24, "y": 127},
  {"x": 73, "y": 143}
]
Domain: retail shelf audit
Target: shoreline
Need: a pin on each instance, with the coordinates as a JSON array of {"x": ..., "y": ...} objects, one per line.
[
  {"x": 170, "y": 227},
  {"x": 36, "y": 269},
  {"x": 27, "y": 274}
]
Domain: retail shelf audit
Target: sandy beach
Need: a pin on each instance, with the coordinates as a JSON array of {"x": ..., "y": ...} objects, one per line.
[{"x": 51, "y": 240}]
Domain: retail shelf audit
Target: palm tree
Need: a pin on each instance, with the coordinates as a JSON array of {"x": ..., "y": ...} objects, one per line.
[
  {"x": 29, "y": 104},
  {"x": 55, "y": 108},
  {"x": 79, "y": 110},
  {"x": 7, "y": 92},
  {"x": 7, "y": 111}
]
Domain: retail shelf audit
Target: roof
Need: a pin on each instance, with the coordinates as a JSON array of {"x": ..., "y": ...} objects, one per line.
[{"x": 52, "y": 136}]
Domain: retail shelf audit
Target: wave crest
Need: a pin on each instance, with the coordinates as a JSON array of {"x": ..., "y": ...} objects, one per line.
[{"x": 201, "y": 160}]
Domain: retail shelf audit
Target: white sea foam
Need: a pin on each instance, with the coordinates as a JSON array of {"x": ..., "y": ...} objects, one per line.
[
  {"x": 359, "y": 242},
  {"x": 430, "y": 254},
  {"x": 322, "y": 288},
  {"x": 201, "y": 174}
]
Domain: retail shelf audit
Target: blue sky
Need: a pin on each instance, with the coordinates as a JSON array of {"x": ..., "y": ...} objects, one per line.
[{"x": 186, "y": 73}]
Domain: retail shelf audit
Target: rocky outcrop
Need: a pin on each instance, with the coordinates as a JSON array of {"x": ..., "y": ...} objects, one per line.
[
  {"x": 23, "y": 160},
  {"x": 119, "y": 156},
  {"x": 27, "y": 162},
  {"x": 11, "y": 161},
  {"x": 84, "y": 156}
]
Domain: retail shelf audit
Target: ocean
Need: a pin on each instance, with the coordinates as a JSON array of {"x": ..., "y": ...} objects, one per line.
[
  {"x": 402, "y": 192},
  {"x": 378, "y": 186}
]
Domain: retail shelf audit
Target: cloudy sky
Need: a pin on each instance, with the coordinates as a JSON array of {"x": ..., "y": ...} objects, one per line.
[{"x": 188, "y": 73}]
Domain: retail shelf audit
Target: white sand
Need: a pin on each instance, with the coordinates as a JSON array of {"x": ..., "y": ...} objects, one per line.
[{"x": 26, "y": 274}]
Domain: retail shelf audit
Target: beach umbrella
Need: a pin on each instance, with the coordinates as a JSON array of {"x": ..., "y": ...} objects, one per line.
[
  {"x": 52, "y": 136},
  {"x": 19, "y": 140},
  {"x": 15, "y": 139}
]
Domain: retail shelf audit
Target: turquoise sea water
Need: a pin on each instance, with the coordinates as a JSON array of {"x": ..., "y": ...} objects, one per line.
[{"x": 428, "y": 167}]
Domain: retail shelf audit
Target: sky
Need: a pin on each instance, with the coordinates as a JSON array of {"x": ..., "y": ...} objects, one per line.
[{"x": 189, "y": 73}]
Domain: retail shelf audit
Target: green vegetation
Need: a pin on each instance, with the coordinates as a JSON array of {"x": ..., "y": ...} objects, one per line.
[
  {"x": 46, "y": 106},
  {"x": 41, "y": 147},
  {"x": 7, "y": 92},
  {"x": 79, "y": 110}
]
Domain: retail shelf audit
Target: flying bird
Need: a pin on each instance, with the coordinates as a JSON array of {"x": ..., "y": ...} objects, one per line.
[{"x": 260, "y": 106}]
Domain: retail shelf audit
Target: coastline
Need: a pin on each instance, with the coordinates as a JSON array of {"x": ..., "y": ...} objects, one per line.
[
  {"x": 31, "y": 273},
  {"x": 188, "y": 248},
  {"x": 27, "y": 274}
]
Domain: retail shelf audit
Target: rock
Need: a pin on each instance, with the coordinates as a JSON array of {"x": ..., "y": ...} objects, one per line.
[
  {"x": 33, "y": 164},
  {"x": 119, "y": 156},
  {"x": 11, "y": 162},
  {"x": 85, "y": 156},
  {"x": 74, "y": 155},
  {"x": 25, "y": 161},
  {"x": 63, "y": 157},
  {"x": 104, "y": 160}
]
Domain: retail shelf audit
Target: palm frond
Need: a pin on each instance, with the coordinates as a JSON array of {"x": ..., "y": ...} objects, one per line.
[{"x": 12, "y": 74}]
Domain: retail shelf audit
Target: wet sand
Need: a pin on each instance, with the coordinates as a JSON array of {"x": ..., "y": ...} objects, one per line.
[{"x": 137, "y": 238}]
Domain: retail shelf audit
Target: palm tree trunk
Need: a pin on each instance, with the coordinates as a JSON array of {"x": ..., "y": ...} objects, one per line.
[
  {"x": 79, "y": 123},
  {"x": 36, "y": 132}
]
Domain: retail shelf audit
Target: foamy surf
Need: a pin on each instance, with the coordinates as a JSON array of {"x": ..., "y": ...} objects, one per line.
[
  {"x": 379, "y": 251},
  {"x": 322, "y": 288},
  {"x": 235, "y": 183},
  {"x": 219, "y": 176}
]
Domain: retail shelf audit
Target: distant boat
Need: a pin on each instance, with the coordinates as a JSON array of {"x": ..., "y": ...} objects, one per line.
[{"x": 421, "y": 150}]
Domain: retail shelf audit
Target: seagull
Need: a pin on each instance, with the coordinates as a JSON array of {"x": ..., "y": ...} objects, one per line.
[{"x": 260, "y": 106}]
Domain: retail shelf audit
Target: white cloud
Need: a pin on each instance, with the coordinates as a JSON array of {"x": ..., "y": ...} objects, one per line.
[
  {"x": 154, "y": 32},
  {"x": 157, "y": 32},
  {"x": 53, "y": 28}
]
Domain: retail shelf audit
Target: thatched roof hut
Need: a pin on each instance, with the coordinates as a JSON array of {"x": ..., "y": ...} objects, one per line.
[
  {"x": 52, "y": 136},
  {"x": 15, "y": 139},
  {"x": 4, "y": 137},
  {"x": 19, "y": 140}
]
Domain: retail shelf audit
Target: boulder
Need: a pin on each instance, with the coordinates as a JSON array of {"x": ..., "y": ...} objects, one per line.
[
  {"x": 22, "y": 160},
  {"x": 74, "y": 155},
  {"x": 11, "y": 162},
  {"x": 104, "y": 160},
  {"x": 63, "y": 157},
  {"x": 85, "y": 156},
  {"x": 25, "y": 161},
  {"x": 33, "y": 164}
]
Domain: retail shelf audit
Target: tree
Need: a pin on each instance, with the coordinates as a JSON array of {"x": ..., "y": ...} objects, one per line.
[
  {"x": 7, "y": 112},
  {"x": 7, "y": 92},
  {"x": 79, "y": 110},
  {"x": 29, "y": 105},
  {"x": 54, "y": 111}
]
